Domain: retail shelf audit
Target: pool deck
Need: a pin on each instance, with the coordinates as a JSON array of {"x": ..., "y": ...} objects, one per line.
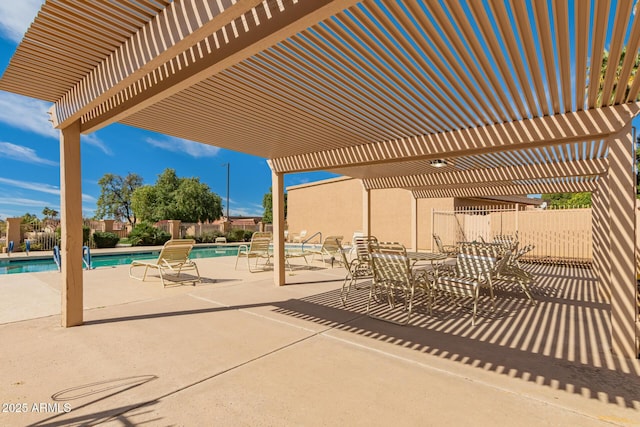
[{"x": 237, "y": 350}]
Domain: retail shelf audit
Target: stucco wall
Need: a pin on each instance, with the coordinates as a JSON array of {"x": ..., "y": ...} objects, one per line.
[
  {"x": 391, "y": 215},
  {"x": 332, "y": 207},
  {"x": 336, "y": 207}
]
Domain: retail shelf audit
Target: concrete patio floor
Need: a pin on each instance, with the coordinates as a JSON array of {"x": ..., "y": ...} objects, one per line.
[{"x": 236, "y": 350}]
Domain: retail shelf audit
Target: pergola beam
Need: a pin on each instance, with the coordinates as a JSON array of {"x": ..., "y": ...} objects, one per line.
[
  {"x": 530, "y": 133},
  {"x": 175, "y": 29},
  {"x": 208, "y": 58},
  {"x": 505, "y": 190},
  {"x": 536, "y": 171}
]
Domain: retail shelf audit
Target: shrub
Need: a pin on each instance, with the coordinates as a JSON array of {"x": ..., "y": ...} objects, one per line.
[
  {"x": 145, "y": 234},
  {"x": 105, "y": 240},
  {"x": 236, "y": 235}
]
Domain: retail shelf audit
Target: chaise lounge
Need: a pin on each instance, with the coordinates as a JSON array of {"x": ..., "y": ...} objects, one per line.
[{"x": 173, "y": 258}]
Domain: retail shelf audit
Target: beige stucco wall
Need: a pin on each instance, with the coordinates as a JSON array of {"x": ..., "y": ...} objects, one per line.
[
  {"x": 332, "y": 207},
  {"x": 391, "y": 215},
  {"x": 336, "y": 207}
]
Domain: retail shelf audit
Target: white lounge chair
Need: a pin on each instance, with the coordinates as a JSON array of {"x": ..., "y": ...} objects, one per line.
[
  {"x": 330, "y": 248},
  {"x": 257, "y": 249},
  {"x": 173, "y": 258},
  {"x": 298, "y": 238}
]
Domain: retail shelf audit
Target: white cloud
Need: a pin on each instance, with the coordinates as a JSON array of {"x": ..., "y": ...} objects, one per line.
[
  {"x": 26, "y": 114},
  {"x": 23, "y": 154},
  {"x": 245, "y": 212},
  {"x": 34, "y": 186},
  {"x": 92, "y": 139},
  {"x": 12, "y": 201},
  {"x": 32, "y": 115},
  {"x": 16, "y": 16},
  {"x": 179, "y": 145},
  {"x": 41, "y": 187}
]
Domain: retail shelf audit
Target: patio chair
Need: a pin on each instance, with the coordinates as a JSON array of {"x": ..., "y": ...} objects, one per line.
[
  {"x": 298, "y": 238},
  {"x": 331, "y": 248},
  {"x": 510, "y": 271},
  {"x": 392, "y": 275},
  {"x": 257, "y": 249},
  {"x": 465, "y": 279},
  {"x": 449, "y": 250},
  {"x": 510, "y": 242},
  {"x": 359, "y": 267},
  {"x": 173, "y": 258}
]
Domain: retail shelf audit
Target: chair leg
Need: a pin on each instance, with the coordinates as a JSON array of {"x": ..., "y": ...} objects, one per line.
[
  {"x": 161, "y": 277},
  {"x": 197, "y": 273},
  {"x": 476, "y": 293},
  {"x": 344, "y": 293},
  {"x": 411, "y": 294},
  {"x": 527, "y": 291}
]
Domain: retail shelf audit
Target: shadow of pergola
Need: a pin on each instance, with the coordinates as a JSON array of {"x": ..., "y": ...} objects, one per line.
[{"x": 561, "y": 342}]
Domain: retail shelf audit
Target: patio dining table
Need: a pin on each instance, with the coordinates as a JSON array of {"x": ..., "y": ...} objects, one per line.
[
  {"x": 434, "y": 257},
  {"x": 437, "y": 260}
]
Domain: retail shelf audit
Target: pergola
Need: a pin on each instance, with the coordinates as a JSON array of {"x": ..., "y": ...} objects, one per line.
[{"x": 512, "y": 97}]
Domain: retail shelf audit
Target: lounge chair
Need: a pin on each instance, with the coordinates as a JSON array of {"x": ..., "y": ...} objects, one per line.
[
  {"x": 258, "y": 249},
  {"x": 173, "y": 258},
  {"x": 331, "y": 248},
  {"x": 298, "y": 238}
]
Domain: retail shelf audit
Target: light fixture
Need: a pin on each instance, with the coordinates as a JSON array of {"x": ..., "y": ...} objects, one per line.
[{"x": 438, "y": 163}]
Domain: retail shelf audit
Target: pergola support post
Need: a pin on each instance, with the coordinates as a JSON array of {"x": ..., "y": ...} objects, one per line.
[
  {"x": 71, "y": 225},
  {"x": 366, "y": 211},
  {"x": 277, "y": 191},
  {"x": 600, "y": 225},
  {"x": 622, "y": 222}
]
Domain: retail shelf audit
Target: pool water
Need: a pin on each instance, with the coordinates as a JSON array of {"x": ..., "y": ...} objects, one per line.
[{"x": 8, "y": 266}]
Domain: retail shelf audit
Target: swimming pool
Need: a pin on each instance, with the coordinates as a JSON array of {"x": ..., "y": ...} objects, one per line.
[{"x": 35, "y": 265}]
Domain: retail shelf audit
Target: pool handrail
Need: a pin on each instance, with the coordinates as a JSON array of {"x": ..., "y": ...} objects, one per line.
[
  {"x": 86, "y": 257},
  {"x": 56, "y": 257}
]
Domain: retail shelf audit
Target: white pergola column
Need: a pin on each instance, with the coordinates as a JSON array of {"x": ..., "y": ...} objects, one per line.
[
  {"x": 622, "y": 255},
  {"x": 366, "y": 211},
  {"x": 600, "y": 225},
  {"x": 277, "y": 184},
  {"x": 71, "y": 225}
]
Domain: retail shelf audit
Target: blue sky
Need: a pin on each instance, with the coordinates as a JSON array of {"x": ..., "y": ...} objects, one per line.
[{"x": 29, "y": 150}]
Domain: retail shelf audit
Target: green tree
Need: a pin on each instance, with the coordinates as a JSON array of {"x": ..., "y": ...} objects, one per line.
[
  {"x": 49, "y": 213},
  {"x": 568, "y": 199},
  {"x": 115, "y": 197},
  {"x": 267, "y": 204},
  {"x": 172, "y": 197},
  {"x": 28, "y": 218}
]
